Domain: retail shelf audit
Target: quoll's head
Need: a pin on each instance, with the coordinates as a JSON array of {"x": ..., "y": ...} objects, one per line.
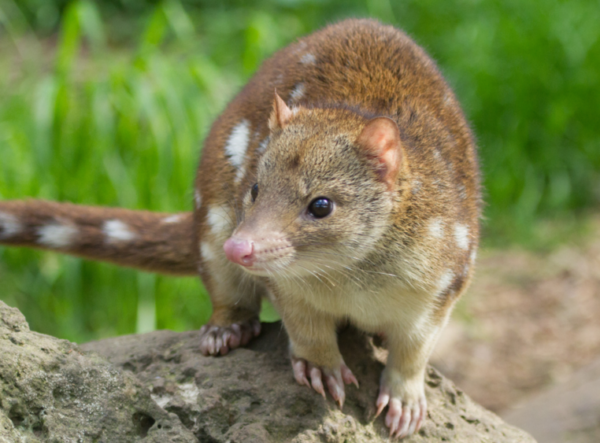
[{"x": 324, "y": 193}]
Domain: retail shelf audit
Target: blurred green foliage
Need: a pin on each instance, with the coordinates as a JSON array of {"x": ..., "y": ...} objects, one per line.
[{"x": 108, "y": 102}]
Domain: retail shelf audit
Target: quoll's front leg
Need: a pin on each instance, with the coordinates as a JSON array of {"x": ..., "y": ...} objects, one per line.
[
  {"x": 402, "y": 386},
  {"x": 315, "y": 353}
]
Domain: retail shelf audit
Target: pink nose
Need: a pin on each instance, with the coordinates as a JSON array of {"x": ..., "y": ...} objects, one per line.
[{"x": 239, "y": 251}]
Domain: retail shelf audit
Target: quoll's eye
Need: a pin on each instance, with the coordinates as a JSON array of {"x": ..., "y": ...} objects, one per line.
[
  {"x": 254, "y": 192},
  {"x": 320, "y": 207}
]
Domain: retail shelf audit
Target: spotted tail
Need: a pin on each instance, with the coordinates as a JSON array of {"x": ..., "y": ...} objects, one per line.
[{"x": 140, "y": 239}]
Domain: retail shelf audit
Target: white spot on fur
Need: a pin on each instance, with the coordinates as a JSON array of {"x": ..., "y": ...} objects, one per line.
[
  {"x": 473, "y": 256},
  {"x": 461, "y": 233},
  {"x": 465, "y": 269},
  {"x": 308, "y": 59},
  {"x": 206, "y": 251},
  {"x": 9, "y": 225},
  {"x": 437, "y": 154},
  {"x": 173, "y": 218},
  {"x": 197, "y": 198},
  {"x": 117, "y": 231},
  {"x": 263, "y": 146},
  {"x": 300, "y": 46},
  {"x": 298, "y": 92},
  {"x": 218, "y": 219},
  {"x": 240, "y": 174},
  {"x": 57, "y": 235},
  {"x": 462, "y": 192},
  {"x": 445, "y": 281},
  {"x": 436, "y": 228},
  {"x": 237, "y": 144}
]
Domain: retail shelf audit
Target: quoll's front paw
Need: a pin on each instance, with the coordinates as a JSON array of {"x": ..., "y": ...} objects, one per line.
[
  {"x": 215, "y": 340},
  {"x": 406, "y": 407},
  {"x": 335, "y": 379}
]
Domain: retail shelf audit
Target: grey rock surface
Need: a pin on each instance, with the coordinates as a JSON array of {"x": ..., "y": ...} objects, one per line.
[
  {"x": 159, "y": 388},
  {"x": 51, "y": 392}
]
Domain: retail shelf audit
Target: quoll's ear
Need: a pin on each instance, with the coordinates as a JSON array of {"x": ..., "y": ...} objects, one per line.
[
  {"x": 280, "y": 115},
  {"x": 380, "y": 140}
]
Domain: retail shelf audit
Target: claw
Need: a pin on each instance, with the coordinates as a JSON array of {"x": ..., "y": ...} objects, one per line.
[
  {"x": 219, "y": 344},
  {"x": 415, "y": 424},
  {"x": 348, "y": 376},
  {"x": 392, "y": 419},
  {"x": 422, "y": 413},
  {"x": 210, "y": 345},
  {"x": 404, "y": 423},
  {"x": 299, "y": 367},
  {"x": 226, "y": 340},
  {"x": 336, "y": 391},
  {"x": 382, "y": 402},
  {"x": 317, "y": 382}
]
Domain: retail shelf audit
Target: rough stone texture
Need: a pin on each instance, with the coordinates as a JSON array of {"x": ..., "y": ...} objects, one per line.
[
  {"x": 251, "y": 396},
  {"x": 159, "y": 388},
  {"x": 51, "y": 392},
  {"x": 568, "y": 412}
]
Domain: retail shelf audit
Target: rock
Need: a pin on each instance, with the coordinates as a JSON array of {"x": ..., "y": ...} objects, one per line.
[
  {"x": 51, "y": 392},
  {"x": 564, "y": 413},
  {"x": 250, "y": 395},
  {"x": 159, "y": 388}
]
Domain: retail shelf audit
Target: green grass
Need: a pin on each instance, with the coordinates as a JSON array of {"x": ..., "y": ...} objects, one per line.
[{"x": 109, "y": 105}]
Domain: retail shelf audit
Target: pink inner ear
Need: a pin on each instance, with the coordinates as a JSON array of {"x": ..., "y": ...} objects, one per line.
[
  {"x": 380, "y": 139},
  {"x": 281, "y": 114}
]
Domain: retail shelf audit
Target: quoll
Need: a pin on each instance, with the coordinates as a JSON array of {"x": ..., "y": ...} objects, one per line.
[{"x": 342, "y": 183}]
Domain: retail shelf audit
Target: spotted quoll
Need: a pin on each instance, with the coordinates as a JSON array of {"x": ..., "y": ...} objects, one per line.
[{"x": 342, "y": 183}]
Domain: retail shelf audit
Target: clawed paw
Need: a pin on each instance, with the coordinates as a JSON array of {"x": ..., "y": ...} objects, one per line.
[
  {"x": 215, "y": 340},
  {"x": 334, "y": 379},
  {"x": 404, "y": 416}
]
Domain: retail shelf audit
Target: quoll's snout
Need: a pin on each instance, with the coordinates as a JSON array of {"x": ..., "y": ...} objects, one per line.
[{"x": 240, "y": 251}]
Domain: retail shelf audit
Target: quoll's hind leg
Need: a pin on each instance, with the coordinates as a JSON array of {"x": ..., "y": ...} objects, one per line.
[
  {"x": 236, "y": 304},
  {"x": 314, "y": 351}
]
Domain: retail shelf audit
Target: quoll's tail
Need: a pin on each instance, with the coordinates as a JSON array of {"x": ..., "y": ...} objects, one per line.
[{"x": 140, "y": 239}]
